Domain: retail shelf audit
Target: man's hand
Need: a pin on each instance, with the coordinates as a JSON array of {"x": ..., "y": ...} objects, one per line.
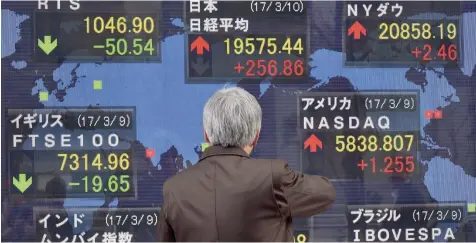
[{"x": 306, "y": 195}]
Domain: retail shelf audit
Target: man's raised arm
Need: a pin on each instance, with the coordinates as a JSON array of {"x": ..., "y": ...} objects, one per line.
[{"x": 306, "y": 195}]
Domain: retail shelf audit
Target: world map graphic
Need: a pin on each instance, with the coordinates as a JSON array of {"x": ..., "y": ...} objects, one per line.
[{"x": 169, "y": 111}]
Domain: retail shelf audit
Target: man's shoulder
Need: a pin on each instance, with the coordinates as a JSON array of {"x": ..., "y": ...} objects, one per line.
[
  {"x": 259, "y": 165},
  {"x": 274, "y": 164},
  {"x": 184, "y": 177},
  {"x": 255, "y": 163},
  {"x": 176, "y": 179}
]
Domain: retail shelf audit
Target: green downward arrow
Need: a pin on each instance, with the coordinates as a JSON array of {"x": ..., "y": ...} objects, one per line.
[
  {"x": 22, "y": 183},
  {"x": 47, "y": 45}
]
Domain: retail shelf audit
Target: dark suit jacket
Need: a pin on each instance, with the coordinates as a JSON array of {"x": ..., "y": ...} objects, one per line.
[{"x": 227, "y": 196}]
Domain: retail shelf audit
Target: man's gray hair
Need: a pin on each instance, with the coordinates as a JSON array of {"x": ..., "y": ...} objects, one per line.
[{"x": 232, "y": 117}]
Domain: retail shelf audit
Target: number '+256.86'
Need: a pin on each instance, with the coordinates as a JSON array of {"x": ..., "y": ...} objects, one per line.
[{"x": 286, "y": 68}]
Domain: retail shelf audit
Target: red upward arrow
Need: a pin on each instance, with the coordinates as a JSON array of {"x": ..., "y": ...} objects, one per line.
[
  {"x": 199, "y": 44},
  {"x": 312, "y": 142},
  {"x": 356, "y": 29}
]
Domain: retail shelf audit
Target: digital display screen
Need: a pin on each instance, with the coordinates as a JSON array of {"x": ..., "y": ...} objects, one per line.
[{"x": 103, "y": 106}]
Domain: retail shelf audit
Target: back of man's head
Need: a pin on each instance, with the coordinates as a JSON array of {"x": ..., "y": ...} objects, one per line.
[{"x": 232, "y": 117}]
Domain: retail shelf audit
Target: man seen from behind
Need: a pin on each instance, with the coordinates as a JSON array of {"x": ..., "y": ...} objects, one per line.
[{"x": 227, "y": 195}]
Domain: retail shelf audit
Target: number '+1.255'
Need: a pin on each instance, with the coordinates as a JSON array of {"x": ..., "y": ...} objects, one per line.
[
  {"x": 114, "y": 161},
  {"x": 397, "y": 164},
  {"x": 260, "y": 68}
]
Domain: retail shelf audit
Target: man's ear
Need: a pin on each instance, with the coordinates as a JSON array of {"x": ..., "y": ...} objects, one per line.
[
  {"x": 206, "y": 136},
  {"x": 256, "y": 139}
]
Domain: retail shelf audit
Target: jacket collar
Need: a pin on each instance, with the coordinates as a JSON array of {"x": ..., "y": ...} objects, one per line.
[{"x": 219, "y": 150}]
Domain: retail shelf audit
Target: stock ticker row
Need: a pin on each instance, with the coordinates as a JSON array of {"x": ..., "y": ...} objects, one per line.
[{"x": 229, "y": 40}]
